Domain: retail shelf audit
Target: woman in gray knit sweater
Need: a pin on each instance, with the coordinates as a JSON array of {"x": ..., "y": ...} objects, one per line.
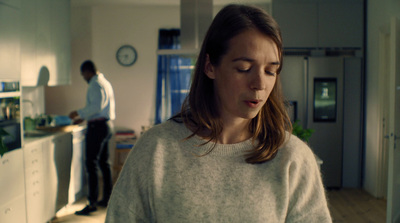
[{"x": 228, "y": 156}]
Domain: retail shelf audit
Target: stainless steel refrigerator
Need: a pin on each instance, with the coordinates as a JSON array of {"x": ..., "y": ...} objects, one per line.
[{"x": 327, "y": 93}]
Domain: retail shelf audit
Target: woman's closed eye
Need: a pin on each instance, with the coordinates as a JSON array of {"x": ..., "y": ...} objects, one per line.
[
  {"x": 273, "y": 73},
  {"x": 243, "y": 69}
]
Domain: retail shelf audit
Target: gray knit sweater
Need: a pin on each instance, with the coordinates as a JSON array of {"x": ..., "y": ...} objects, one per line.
[{"x": 165, "y": 180}]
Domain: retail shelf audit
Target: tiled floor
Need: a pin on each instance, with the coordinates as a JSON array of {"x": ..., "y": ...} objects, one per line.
[{"x": 67, "y": 214}]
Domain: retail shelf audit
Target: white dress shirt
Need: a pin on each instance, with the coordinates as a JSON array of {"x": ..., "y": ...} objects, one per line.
[{"x": 100, "y": 101}]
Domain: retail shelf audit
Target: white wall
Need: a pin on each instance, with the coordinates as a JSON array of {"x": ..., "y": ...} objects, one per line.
[
  {"x": 97, "y": 33},
  {"x": 379, "y": 13}
]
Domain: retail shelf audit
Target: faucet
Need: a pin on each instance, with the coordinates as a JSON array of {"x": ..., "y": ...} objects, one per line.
[{"x": 30, "y": 102}]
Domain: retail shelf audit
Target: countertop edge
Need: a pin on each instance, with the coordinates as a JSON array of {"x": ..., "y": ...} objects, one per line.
[{"x": 30, "y": 140}]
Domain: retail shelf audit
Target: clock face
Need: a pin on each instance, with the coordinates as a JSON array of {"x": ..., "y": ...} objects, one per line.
[{"x": 126, "y": 55}]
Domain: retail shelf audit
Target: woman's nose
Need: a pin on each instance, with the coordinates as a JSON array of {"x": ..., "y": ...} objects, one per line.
[{"x": 258, "y": 81}]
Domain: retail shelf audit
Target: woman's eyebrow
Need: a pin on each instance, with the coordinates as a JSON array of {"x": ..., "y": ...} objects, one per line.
[
  {"x": 247, "y": 59},
  {"x": 243, "y": 59}
]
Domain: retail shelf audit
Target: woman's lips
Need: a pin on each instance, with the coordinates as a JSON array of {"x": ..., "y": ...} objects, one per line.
[{"x": 252, "y": 103}]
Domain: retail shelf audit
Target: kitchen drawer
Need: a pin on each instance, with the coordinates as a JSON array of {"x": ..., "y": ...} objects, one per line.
[
  {"x": 35, "y": 205},
  {"x": 33, "y": 162},
  {"x": 14, "y": 210},
  {"x": 33, "y": 155},
  {"x": 35, "y": 208},
  {"x": 33, "y": 172},
  {"x": 12, "y": 175},
  {"x": 34, "y": 179}
]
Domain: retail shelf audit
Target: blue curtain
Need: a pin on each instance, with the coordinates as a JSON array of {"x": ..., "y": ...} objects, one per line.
[{"x": 173, "y": 76}]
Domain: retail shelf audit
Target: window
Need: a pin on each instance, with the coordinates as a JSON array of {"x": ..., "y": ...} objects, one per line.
[{"x": 173, "y": 75}]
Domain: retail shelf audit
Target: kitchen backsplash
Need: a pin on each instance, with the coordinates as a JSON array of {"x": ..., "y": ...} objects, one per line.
[{"x": 32, "y": 101}]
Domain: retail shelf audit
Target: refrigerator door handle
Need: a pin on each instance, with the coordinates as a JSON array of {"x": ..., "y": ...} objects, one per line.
[{"x": 305, "y": 91}]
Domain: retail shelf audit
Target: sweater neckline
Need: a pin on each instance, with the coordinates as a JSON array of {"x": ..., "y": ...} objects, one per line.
[{"x": 202, "y": 146}]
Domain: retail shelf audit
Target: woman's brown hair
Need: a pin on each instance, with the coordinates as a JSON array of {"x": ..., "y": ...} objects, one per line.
[{"x": 199, "y": 109}]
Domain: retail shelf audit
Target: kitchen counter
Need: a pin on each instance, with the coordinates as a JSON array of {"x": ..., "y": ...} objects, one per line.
[
  {"x": 43, "y": 134},
  {"x": 53, "y": 165}
]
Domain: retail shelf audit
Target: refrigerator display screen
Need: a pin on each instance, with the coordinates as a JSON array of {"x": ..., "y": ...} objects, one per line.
[{"x": 325, "y": 99}]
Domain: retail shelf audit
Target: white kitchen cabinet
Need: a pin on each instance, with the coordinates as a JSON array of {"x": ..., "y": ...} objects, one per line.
[
  {"x": 320, "y": 23},
  {"x": 340, "y": 24},
  {"x": 51, "y": 183},
  {"x": 77, "y": 185},
  {"x": 13, "y": 211},
  {"x": 45, "y": 42},
  {"x": 60, "y": 148},
  {"x": 298, "y": 22},
  {"x": 35, "y": 41},
  {"x": 12, "y": 175},
  {"x": 42, "y": 39},
  {"x": 35, "y": 182},
  {"x": 29, "y": 72},
  {"x": 12, "y": 191},
  {"x": 60, "y": 46},
  {"x": 9, "y": 42},
  {"x": 47, "y": 173},
  {"x": 12, "y": 3}
]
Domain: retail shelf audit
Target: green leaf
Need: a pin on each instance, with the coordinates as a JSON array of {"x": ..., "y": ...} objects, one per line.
[
  {"x": 3, "y": 132},
  {"x": 303, "y": 134},
  {"x": 3, "y": 148}
]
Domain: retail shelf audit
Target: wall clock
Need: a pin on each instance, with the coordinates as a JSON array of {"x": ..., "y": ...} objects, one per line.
[{"x": 126, "y": 55}]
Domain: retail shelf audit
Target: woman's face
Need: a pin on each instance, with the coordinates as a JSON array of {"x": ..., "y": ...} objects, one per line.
[{"x": 245, "y": 76}]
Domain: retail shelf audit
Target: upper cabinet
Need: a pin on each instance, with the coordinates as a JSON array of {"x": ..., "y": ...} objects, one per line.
[
  {"x": 45, "y": 42},
  {"x": 12, "y": 3},
  {"x": 320, "y": 23},
  {"x": 9, "y": 42},
  {"x": 60, "y": 44}
]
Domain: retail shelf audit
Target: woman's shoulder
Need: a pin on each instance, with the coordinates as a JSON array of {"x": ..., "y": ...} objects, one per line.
[
  {"x": 162, "y": 134},
  {"x": 156, "y": 138},
  {"x": 296, "y": 149},
  {"x": 166, "y": 129}
]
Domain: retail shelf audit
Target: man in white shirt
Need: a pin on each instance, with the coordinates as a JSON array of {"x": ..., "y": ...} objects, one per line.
[{"x": 98, "y": 112}]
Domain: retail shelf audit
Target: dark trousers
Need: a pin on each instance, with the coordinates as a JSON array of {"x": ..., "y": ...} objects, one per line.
[{"x": 97, "y": 155}]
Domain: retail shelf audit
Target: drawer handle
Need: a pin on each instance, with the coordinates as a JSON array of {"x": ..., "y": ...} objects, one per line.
[
  {"x": 35, "y": 182},
  {"x": 34, "y": 161},
  {"x": 36, "y": 193},
  {"x": 33, "y": 150},
  {"x": 5, "y": 161},
  {"x": 7, "y": 210},
  {"x": 35, "y": 172}
]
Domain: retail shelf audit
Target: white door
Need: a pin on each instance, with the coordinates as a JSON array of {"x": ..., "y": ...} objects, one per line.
[
  {"x": 393, "y": 198},
  {"x": 384, "y": 67}
]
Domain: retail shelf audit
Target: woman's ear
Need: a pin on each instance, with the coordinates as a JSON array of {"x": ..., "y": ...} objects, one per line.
[{"x": 209, "y": 68}]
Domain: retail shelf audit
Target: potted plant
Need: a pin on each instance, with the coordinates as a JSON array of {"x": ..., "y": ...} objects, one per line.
[
  {"x": 3, "y": 147},
  {"x": 299, "y": 131}
]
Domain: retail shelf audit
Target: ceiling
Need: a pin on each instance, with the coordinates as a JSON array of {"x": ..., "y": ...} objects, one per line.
[{"x": 156, "y": 2}]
